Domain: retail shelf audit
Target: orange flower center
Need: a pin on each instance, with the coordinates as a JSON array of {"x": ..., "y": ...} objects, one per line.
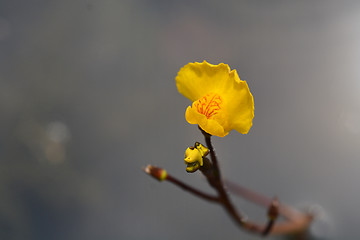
[{"x": 209, "y": 105}]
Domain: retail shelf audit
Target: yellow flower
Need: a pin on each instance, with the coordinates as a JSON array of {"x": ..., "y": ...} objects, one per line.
[{"x": 221, "y": 101}]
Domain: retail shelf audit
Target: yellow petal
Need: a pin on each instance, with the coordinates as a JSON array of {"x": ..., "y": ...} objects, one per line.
[
  {"x": 210, "y": 126},
  {"x": 195, "y": 80},
  {"x": 240, "y": 107}
]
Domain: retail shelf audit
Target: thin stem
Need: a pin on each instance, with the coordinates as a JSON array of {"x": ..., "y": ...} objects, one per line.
[
  {"x": 220, "y": 186},
  {"x": 192, "y": 190},
  {"x": 248, "y": 194},
  {"x": 273, "y": 213},
  {"x": 213, "y": 157},
  {"x": 226, "y": 202},
  {"x": 268, "y": 227}
]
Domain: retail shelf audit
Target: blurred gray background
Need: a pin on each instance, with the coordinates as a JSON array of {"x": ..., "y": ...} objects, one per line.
[{"x": 88, "y": 97}]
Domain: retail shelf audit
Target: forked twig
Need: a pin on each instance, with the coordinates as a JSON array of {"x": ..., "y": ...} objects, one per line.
[{"x": 295, "y": 221}]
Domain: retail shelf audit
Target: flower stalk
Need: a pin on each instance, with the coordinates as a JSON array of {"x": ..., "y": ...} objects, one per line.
[{"x": 227, "y": 204}]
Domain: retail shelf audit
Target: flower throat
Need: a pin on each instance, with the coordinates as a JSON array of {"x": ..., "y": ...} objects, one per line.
[{"x": 209, "y": 105}]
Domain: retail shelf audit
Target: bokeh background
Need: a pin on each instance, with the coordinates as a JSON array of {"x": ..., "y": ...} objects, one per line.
[{"x": 88, "y": 98}]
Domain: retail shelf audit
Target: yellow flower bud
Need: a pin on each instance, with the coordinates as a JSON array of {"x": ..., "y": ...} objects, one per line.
[{"x": 194, "y": 157}]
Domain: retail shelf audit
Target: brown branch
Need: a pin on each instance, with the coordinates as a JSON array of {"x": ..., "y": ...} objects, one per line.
[
  {"x": 161, "y": 175},
  {"x": 296, "y": 221},
  {"x": 192, "y": 190},
  {"x": 248, "y": 194},
  {"x": 273, "y": 213},
  {"x": 218, "y": 184},
  {"x": 214, "y": 161}
]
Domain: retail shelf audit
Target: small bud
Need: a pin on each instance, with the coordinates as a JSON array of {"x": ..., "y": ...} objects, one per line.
[
  {"x": 194, "y": 157},
  {"x": 157, "y": 173}
]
